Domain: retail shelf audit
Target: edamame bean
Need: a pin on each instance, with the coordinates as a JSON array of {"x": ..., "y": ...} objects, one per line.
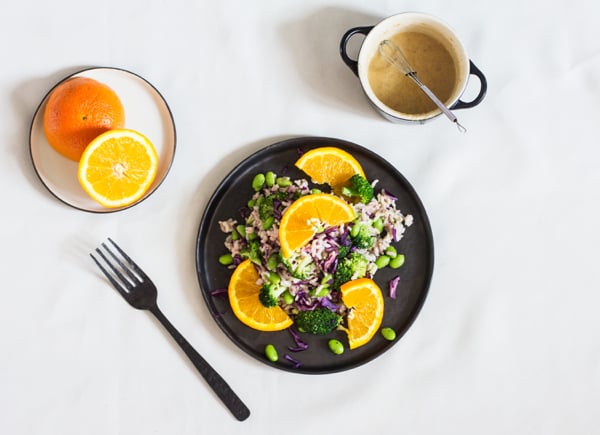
[
  {"x": 388, "y": 333},
  {"x": 391, "y": 252},
  {"x": 251, "y": 236},
  {"x": 270, "y": 178},
  {"x": 315, "y": 191},
  {"x": 283, "y": 182},
  {"x": 251, "y": 203},
  {"x": 382, "y": 261},
  {"x": 234, "y": 235},
  {"x": 397, "y": 261},
  {"x": 336, "y": 346},
  {"x": 272, "y": 262},
  {"x": 378, "y": 224},
  {"x": 354, "y": 230},
  {"x": 274, "y": 278},
  {"x": 287, "y": 297},
  {"x": 271, "y": 353},
  {"x": 226, "y": 259},
  {"x": 258, "y": 182},
  {"x": 241, "y": 229}
]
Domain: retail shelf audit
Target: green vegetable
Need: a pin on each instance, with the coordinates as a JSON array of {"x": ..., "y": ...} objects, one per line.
[
  {"x": 274, "y": 278},
  {"x": 359, "y": 188},
  {"x": 300, "y": 264},
  {"x": 324, "y": 288},
  {"x": 268, "y": 222},
  {"x": 271, "y": 353},
  {"x": 269, "y": 293},
  {"x": 272, "y": 262},
  {"x": 258, "y": 182},
  {"x": 361, "y": 237},
  {"x": 388, "y": 333},
  {"x": 319, "y": 321},
  {"x": 382, "y": 261},
  {"x": 378, "y": 224},
  {"x": 252, "y": 251},
  {"x": 226, "y": 259},
  {"x": 241, "y": 229},
  {"x": 287, "y": 297},
  {"x": 336, "y": 346},
  {"x": 391, "y": 252},
  {"x": 351, "y": 267},
  {"x": 283, "y": 181},
  {"x": 397, "y": 261},
  {"x": 270, "y": 178}
]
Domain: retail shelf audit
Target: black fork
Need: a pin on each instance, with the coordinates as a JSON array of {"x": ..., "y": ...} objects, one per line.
[{"x": 140, "y": 292}]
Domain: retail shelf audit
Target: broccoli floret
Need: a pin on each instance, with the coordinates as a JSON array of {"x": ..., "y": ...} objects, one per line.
[
  {"x": 361, "y": 236},
  {"x": 359, "y": 188},
  {"x": 343, "y": 251},
  {"x": 299, "y": 264},
  {"x": 265, "y": 207},
  {"x": 353, "y": 266},
  {"x": 252, "y": 252},
  {"x": 319, "y": 321},
  {"x": 269, "y": 294}
]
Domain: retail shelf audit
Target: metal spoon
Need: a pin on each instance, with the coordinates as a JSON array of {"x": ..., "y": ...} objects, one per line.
[{"x": 392, "y": 53}]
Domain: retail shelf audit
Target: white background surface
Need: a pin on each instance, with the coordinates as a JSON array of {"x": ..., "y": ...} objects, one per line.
[{"x": 509, "y": 339}]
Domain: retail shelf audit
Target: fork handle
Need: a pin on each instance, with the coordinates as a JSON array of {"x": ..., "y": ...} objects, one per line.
[{"x": 216, "y": 382}]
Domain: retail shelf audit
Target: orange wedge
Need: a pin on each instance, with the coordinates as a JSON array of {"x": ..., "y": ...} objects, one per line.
[
  {"x": 364, "y": 299},
  {"x": 329, "y": 165},
  {"x": 118, "y": 167},
  {"x": 309, "y": 214},
  {"x": 243, "y": 293}
]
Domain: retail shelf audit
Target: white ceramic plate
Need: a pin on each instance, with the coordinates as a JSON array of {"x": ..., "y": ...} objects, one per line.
[{"x": 145, "y": 111}]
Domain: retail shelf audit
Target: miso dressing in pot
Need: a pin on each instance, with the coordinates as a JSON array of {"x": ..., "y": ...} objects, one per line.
[{"x": 433, "y": 64}]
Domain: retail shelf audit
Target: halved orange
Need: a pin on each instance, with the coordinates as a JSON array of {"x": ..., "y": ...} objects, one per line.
[
  {"x": 243, "y": 293},
  {"x": 118, "y": 167},
  {"x": 364, "y": 299},
  {"x": 329, "y": 165},
  {"x": 302, "y": 219}
]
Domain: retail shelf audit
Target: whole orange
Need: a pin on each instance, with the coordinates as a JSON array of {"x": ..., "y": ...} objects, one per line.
[{"x": 78, "y": 110}]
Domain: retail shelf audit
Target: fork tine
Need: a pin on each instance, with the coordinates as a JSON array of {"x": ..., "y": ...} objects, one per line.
[
  {"x": 124, "y": 281},
  {"x": 132, "y": 263},
  {"x": 113, "y": 281},
  {"x": 135, "y": 279}
]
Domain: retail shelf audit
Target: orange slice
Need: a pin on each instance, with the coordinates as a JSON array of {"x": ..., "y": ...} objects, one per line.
[
  {"x": 307, "y": 215},
  {"x": 364, "y": 299},
  {"x": 243, "y": 297},
  {"x": 329, "y": 165},
  {"x": 118, "y": 167}
]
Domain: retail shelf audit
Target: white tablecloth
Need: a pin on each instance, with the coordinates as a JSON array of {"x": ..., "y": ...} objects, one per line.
[{"x": 508, "y": 341}]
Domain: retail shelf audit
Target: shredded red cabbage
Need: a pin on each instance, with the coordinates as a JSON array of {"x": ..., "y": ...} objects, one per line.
[
  {"x": 218, "y": 292},
  {"x": 295, "y": 362},
  {"x": 329, "y": 265},
  {"x": 300, "y": 344},
  {"x": 389, "y": 195},
  {"x": 393, "y": 286},
  {"x": 327, "y": 303}
]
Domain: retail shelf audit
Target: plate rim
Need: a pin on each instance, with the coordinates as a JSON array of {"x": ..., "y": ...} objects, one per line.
[
  {"x": 203, "y": 229},
  {"x": 107, "y": 210}
]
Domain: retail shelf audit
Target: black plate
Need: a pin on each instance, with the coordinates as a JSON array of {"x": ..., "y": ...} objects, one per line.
[{"x": 415, "y": 276}]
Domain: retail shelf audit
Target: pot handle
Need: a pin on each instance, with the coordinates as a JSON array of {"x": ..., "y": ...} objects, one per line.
[
  {"x": 351, "y": 63},
  {"x": 482, "y": 89}
]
